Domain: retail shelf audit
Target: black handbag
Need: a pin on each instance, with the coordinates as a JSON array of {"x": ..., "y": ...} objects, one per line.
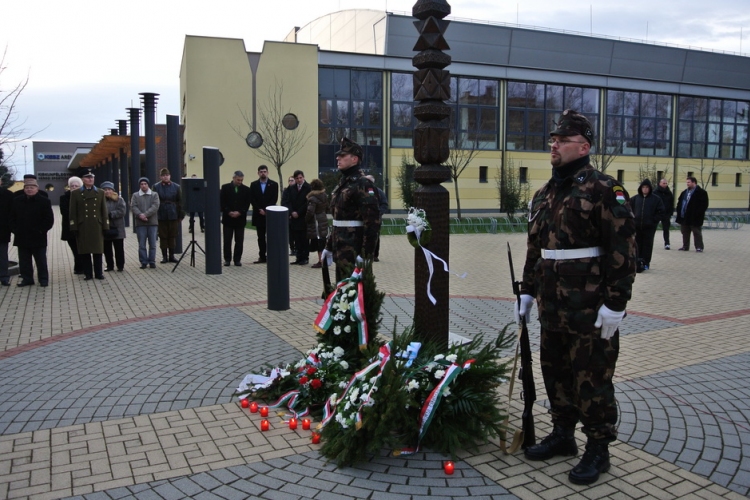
[{"x": 111, "y": 233}]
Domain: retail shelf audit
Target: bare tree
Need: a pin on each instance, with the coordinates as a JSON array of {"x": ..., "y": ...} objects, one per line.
[
  {"x": 12, "y": 127},
  {"x": 282, "y": 136},
  {"x": 651, "y": 171},
  {"x": 706, "y": 171},
  {"x": 464, "y": 148},
  {"x": 513, "y": 193},
  {"x": 602, "y": 154}
]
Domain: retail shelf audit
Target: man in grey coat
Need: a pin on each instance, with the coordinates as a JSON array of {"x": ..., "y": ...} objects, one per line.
[{"x": 145, "y": 205}]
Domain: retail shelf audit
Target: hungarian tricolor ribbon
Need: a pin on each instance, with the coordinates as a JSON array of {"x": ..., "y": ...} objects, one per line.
[{"x": 355, "y": 306}]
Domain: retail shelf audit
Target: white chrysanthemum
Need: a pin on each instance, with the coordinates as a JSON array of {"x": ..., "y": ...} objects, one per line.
[
  {"x": 438, "y": 357},
  {"x": 338, "y": 351},
  {"x": 300, "y": 363},
  {"x": 347, "y": 406},
  {"x": 430, "y": 366},
  {"x": 337, "y": 330},
  {"x": 352, "y": 293},
  {"x": 439, "y": 374},
  {"x": 348, "y": 329},
  {"x": 343, "y": 305},
  {"x": 373, "y": 379},
  {"x": 413, "y": 384},
  {"x": 342, "y": 384},
  {"x": 344, "y": 364},
  {"x": 446, "y": 392},
  {"x": 333, "y": 398},
  {"x": 451, "y": 358}
]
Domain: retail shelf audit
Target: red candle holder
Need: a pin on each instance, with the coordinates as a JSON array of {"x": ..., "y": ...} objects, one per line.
[
  {"x": 315, "y": 438},
  {"x": 449, "y": 467},
  {"x": 244, "y": 403},
  {"x": 306, "y": 424},
  {"x": 264, "y": 411},
  {"x": 264, "y": 425},
  {"x": 253, "y": 407},
  {"x": 292, "y": 423}
]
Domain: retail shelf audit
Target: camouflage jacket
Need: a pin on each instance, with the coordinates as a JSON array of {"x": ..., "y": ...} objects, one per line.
[
  {"x": 355, "y": 198},
  {"x": 587, "y": 209}
]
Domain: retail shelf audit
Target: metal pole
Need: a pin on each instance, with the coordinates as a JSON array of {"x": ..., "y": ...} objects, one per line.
[
  {"x": 148, "y": 99},
  {"x": 212, "y": 160},
  {"x": 135, "y": 150},
  {"x": 277, "y": 270},
  {"x": 122, "y": 126},
  {"x": 174, "y": 147}
]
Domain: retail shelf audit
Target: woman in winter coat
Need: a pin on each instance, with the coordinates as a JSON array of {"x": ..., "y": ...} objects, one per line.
[
  {"x": 74, "y": 183},
  {"x": 316, "y": 218},
  {"x": 649, "y": 210},
  {"x": 117, "y": 210}
]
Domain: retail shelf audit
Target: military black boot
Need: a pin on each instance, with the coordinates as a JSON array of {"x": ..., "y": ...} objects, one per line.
[
  {"x": 164, "y": 258},
  {"x": 560, "y": 442},
  {"x": 594, "y": 461},
  {"x": 171, "y": 256}
]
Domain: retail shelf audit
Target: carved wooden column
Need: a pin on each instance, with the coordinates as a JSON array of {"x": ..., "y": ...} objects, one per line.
[{"x": 431, "y": 89}]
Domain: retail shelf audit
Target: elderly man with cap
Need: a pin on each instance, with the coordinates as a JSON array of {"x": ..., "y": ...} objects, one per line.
[
  {"x": 27, "y": 177},
  {"x": 145, "y": 206},
  {"x": 580, "y": 267},
  {"x": 30, "y": 219},
  {"x": 88, "y": 219},
  {"x": 170, "y": 214},
  {"x": 234, "y": 200},
  {"x": 356, "y": 216}
]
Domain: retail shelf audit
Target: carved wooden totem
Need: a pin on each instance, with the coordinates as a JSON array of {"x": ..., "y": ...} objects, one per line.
[{"x": 431, "y": 89}]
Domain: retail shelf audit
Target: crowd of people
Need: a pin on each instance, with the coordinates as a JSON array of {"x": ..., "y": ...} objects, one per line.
[{"x": 94, "y": 220}]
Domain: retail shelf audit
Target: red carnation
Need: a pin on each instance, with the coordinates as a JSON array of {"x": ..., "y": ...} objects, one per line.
[
  {"x": 311, "y": 370},
  {"x": 316, "y": 383},
  {"x": 303, "y": 380}
]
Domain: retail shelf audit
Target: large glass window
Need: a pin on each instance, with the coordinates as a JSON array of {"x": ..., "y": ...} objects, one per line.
[
  {"x": 638, "y": 123},
  {"x": 474, "y": 112},
  {"x": 350, "y": 105},
  {"x": 712, "y": 128},
  {"x": 534, "y": 108}
]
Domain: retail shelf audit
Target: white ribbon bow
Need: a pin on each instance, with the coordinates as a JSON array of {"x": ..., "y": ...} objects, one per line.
[{"x": 428, "y": 257}]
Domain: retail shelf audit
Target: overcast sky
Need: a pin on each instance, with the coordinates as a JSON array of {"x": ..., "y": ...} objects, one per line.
[{"x": 87, "y": 60}]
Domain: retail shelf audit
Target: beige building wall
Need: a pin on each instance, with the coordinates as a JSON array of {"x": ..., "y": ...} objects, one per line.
[{"x": 216, "y": 89}]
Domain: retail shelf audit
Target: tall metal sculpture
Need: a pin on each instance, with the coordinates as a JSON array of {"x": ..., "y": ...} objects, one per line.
[{"x": 431, "y": 90}]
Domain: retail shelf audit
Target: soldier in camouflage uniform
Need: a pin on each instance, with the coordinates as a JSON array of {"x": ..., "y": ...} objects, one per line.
[
  {"x": 356, "y": 217},
  {"x": 580, "y": 266}
]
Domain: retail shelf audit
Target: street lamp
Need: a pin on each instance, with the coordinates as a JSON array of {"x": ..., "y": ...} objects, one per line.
[{"x": 24, "y": 146}]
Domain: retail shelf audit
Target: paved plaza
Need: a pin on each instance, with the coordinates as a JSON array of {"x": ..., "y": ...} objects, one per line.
[{"x": 121, "y": 388}]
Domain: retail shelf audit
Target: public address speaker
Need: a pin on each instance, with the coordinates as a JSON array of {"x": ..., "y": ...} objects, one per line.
[{"x": 194, "y": 194}]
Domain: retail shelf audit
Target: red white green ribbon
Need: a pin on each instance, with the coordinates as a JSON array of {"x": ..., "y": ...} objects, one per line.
[
  {"x": 324, "y": 320},
  {"x": 429, "y": 408}
]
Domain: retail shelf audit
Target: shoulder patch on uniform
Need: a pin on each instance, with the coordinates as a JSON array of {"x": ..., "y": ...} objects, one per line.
[
  {"x": 619, "y": 194},
  {"x": 370, "y": 192}
]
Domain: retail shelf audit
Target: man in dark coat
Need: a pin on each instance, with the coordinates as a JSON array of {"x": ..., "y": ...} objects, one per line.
[
  {"x": 263, "y": 193},
  {"x": 30, "y": 218},
  {"x": 6, "y": 201},
  {"x": 234, "y": 200},
  {"x": 356, "y": 216},
  {"x": 297, "y": 205},
  {"x": 648, "y": 210},
  {"x": 27, "y": 177},
  {"x": 88, "y": 219},
  {"x": 691, "y": 210},
  {"x": 667, "y": 198},
  {"x": 170, "y": 214}
]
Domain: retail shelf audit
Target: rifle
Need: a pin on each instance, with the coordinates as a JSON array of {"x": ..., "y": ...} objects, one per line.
[{"x": 528, "y": 393}]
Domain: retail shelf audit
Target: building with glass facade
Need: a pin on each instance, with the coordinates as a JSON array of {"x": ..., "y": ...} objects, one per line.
[{"x": 666, "y": 111}]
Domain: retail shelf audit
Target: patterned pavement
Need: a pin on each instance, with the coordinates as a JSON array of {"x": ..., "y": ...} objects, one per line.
[{"x": 122, "y": 388}]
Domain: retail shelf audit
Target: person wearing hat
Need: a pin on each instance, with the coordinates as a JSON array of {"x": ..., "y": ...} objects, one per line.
[
  {"x": 234, "y": 201},
  {"x": 116, "y": 240},
  {"x": 356, "y": 216},
  {"x": 580, "y": 266},
  {"x": 170, "y": 214},
  {"x": 145, "y": 207},
  {"x": 30, "y": 219},
  {"x": 26, "y": 177},
  {"x": 88, "y": 221}
]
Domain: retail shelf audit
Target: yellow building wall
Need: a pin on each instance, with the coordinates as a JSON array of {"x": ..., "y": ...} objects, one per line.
[{"x": 216, "y": 89}]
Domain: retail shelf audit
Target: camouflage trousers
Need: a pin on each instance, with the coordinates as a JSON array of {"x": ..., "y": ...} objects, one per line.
[
  {"x": 347, "y": 245},
  {"x": 577, "y": 370}
]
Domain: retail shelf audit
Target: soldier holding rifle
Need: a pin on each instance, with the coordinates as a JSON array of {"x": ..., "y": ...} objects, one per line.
[{"x": 580, "y": 267}]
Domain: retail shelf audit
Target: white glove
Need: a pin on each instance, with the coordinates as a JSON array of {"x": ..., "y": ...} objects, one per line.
[
  {"x": 608, "y": 320},
  {"x": 327, "y": 257},
  {"x": 523, "y": 308}
]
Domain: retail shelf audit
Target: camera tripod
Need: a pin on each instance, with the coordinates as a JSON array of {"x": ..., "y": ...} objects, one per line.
[{"x": 191, "y": 246}]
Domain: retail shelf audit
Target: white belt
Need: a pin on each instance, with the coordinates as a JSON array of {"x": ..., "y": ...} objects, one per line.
[
  {"x": 575, "y": 253},
  {"x": 348, "y": 223}
]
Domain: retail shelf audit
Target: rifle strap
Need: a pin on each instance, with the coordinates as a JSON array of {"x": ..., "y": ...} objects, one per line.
[{"x": 518, "y": 434}]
